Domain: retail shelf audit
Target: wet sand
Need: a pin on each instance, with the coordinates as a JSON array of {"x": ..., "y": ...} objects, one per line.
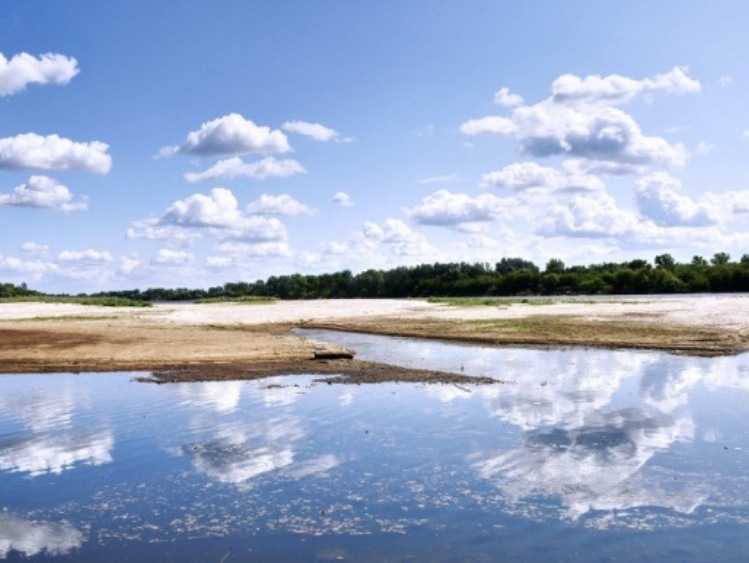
[{"x": 247, "y": 340}]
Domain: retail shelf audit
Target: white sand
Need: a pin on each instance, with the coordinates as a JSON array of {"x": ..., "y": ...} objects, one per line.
[{"x": 726, "y": 311}]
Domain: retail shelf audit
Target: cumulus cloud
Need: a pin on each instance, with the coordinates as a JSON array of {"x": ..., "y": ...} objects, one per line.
[
  {"x": 89, "y": 255},
  {"x": 218, "y": 262},
  {"x": 579, "y": 120},
  {"x": 35, "y": 269},
  {"x": 235, "y": 167},
  {"x": 130, "y": 264},
  {"x": 23, "y": 69},
  {"x": 85, "y": 256},
  {"x": 617, "y": 89},
  {"x": 32, "y": 151},
  {"x": 152, "y": 229},
  {"x": 528, "y": 175},
  {"x": 397, "y": 237},
  {"x": 42, "y": 192},
  {"x": 313, "y": 130},
  {"x": 218, "y": 213},
  {"x": 258, "y": 249},
  {"x": 219, "y": 209},
  {"x": 594, "y": 216},
  {"x": 169, "y": 257},
  {"x": 445, "y": 208},
  {"x": 342, "y": 199},
  {"x": 279, "y": 205},
  {"x": 659, "y": 199},
  {"x": 507, "y": 99},
  {"x": 231, "y": 134},
  {"x": 34, "y": 248}
]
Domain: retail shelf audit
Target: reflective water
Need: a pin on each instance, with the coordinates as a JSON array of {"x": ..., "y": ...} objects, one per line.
[{"x": 580, "y": 455}]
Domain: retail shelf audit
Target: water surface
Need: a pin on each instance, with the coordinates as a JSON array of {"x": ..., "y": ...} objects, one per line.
[{"x": 581, "y": 454}]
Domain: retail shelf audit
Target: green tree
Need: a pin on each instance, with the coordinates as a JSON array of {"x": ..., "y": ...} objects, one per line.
[
  {"x": 554, "y": 266},
  {"x": 698, "y": 261},
  {"x": 665, "y": 261}
]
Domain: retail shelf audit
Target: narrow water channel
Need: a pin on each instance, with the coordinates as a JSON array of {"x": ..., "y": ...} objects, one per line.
[{"x": 578, "y": 454}]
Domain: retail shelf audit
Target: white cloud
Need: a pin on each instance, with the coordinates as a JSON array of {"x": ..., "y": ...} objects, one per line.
[
  {"x": 313, "y": 130},
  {"x": 84, "y": 256},
  {"x": 446, "y": 179},
  {"x": 23, "y": 69},
  {"x": 169, "y": 257},
  {"x": 579, "y": 120},
  {"x": 445, "y": 208},
  {"x": 130, "y": 264},
  {"x": 33, "y": 268},
  {"x": 279, "y": 205},
  {"x": 256, "y": 229},
  {"x": 490, "y": 124},
  {"x": 230, "y": 135},
  {"x": 42, "y": 192},
  {"x": 336, "y": 248},
  {"x": 151, "y": 229},
  {"x": 259, "y": 249},
  {"x": 219, "y": 209},
  {"x": 397, "y": 237},
  {"x": 528, "y": 175},
  {"x": 342, "y": 199},
  {"x": 218, "y": 213},
  {"x": 725, "y": 80},
  {"x": 218, "y": 262},
  {"x": 616, "y": 89},
  {"x": 35, "y": 249},
  {"x": 594, "y": 216},
  {"x": 32, "y": 151},
  {"x": 235, "y": 167},
  {"x": 658, "y": 199},
  {"x": 507, "y": 99}
]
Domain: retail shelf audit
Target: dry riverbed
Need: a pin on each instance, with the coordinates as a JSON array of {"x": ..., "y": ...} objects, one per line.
[{"x": 217, "y": 341}]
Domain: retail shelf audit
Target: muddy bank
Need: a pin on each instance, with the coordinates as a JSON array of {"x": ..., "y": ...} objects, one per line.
[{"x": 346, "y": 371}]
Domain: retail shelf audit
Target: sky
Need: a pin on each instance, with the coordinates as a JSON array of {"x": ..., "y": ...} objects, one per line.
[{"x": 194, "y": 143}]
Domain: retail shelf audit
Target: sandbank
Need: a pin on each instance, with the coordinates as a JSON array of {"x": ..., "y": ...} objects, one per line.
[{"x": 252, "y": 340}]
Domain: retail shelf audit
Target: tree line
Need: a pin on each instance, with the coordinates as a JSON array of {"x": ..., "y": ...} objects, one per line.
[{"x": 508, "y": 277}]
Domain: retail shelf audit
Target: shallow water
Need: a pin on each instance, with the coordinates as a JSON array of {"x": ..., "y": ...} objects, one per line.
[{"x": 579, "y": 455}]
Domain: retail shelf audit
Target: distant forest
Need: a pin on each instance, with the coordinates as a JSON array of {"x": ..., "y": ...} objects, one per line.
[{"x": 508, "y": 277}]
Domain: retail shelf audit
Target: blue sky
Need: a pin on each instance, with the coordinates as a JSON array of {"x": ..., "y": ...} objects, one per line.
[{"x": 193, "y": 143}]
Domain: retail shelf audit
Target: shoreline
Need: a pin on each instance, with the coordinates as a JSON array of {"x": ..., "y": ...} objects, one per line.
[{"x": 247, "y": 340}]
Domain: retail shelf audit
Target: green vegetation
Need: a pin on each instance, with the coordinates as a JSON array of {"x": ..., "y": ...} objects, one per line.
[
  {"x": 96, "y": 301},
  {"x": 510, "y": 277}
]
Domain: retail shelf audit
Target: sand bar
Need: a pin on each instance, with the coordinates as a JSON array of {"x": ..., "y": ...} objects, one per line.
[{"x": 42, "y": 337}]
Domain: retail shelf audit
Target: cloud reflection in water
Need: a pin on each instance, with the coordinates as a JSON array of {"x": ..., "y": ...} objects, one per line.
[{"x": 33, "y": 538}]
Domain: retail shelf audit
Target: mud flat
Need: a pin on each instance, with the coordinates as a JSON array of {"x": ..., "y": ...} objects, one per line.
[{"x": 230, "y": 339}]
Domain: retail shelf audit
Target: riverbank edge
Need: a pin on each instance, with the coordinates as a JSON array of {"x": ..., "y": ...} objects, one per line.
[{"x": 300, "y": 360}]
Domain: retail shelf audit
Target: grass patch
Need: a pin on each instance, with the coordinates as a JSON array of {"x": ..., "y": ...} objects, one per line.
[
  {"x": 246, "y": 300},
  {"x": 94, "y": 301}
]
